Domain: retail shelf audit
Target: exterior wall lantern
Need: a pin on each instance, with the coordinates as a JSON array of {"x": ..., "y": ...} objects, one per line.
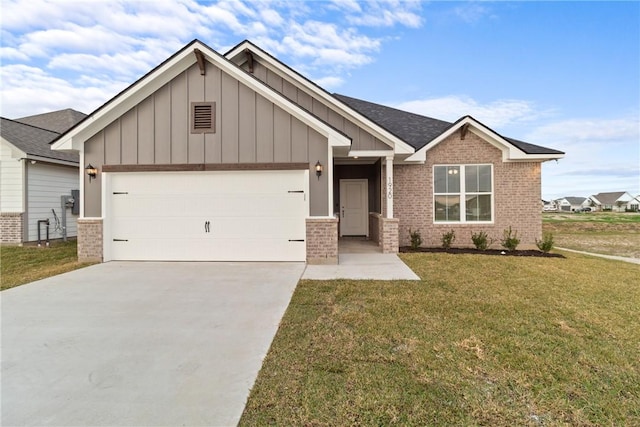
[
  {"x": 318, "y": 169},
  {"x": 91, "y": 171}
]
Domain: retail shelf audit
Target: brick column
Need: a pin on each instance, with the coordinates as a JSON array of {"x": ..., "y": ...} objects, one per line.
[
  {"x": 11, "y": 227},
  {"x": 389, "y": 235},
  {"x": 89, "y": 239},
  {"x": 322, "y": 240}
]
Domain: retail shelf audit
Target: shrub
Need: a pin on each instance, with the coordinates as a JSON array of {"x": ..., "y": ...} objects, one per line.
[
  {"x": 481, "y": 241},
  {"x": 546, "y": 243},
  {"x": 416, "y": 239},
  {"x": 448, "y": 238},
  {"x": 510, "y": 239}
]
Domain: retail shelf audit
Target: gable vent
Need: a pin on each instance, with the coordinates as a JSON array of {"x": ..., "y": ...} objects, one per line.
[{"x": 203, "y": 118}]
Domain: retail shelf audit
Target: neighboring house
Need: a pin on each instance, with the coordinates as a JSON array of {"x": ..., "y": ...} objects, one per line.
[
  {"x": 617, "y": 201},
  {"x": 570, "y": 204},
  {"x": 239, "y": 157},
  {"x": 549, "y": 205},
  {"x": 34, "y": 178}
]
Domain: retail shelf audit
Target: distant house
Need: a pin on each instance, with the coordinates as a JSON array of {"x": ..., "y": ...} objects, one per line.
[
  {"x": 549, "y": 205},
  {"x": 617, "y": 201},
  {"x": 34, "y": 178},
  {"x": 570, "y": 203}
]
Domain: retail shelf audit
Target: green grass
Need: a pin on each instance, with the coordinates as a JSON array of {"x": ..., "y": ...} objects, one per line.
[
  {"x": 24, "y": 264},
  {"x": 596, "y": 217},
  {"x": 481, "y": 340}
]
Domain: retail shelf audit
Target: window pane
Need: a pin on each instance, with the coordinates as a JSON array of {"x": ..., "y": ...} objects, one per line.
[
  {"x": 471, "y": 178},
  {"x": 484, "y": 178},
  {"x": 453, "y": 179},
  {"x": 440, "y": 179},
  {"x": 447, "y": 208},
  {"x": 478, "y": 208}
]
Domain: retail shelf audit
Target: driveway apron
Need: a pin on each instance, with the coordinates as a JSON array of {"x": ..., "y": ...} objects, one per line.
[{"x": 144, "y": 344}]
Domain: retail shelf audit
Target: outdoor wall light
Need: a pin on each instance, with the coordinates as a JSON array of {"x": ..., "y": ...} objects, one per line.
[
  {"x": 318, "y": 169},
  {"x": 92, "y": 172},
  {"x": 453, "y": 171}
]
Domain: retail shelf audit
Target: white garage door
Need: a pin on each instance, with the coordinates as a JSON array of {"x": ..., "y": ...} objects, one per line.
[{"x": 207, "y": 216}]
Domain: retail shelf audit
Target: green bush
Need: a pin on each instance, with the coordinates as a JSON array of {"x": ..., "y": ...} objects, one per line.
[
  {"x": 481, "y": 241},
  {"x": 510, "y": 239},
  {"x": 416, "y": 239},
  {"x": 546, "y": 243},
  {"x": 448, "y": 238}
]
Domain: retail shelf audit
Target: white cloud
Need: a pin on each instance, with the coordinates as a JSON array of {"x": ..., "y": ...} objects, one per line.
[
  {"x": 329, "y": 82},
  {"x": 471, "y": 12},
  {"x": 496, "y": 114},
  {"x": 387, "y": 14}
]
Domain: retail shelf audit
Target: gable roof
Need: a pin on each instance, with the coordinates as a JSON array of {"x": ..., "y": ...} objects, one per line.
[
  {"x": 399, "y": 145},
  {"x": 33, "y": 141},
  {"x": 57, "y": 121},
  {"x": 609, "y": 198},
  {"x": 74, "y": 138},
  {"x": 419, "y": 130},
  {"x": 575, "y": 200}
]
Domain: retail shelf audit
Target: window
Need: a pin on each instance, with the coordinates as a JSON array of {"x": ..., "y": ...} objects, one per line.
[
  {"x": 203, "y": 117},
  {"x": 463, "y": 193}
]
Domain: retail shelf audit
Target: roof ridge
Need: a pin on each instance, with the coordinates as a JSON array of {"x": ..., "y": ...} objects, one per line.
[
  {"x": 32, "y": 126},
  {"x": 335, "y": 94}
]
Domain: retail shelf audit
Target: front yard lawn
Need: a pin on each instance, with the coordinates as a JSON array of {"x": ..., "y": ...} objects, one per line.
[
  {"x": 24, "y": 264},
  {"x": 497, "y": 341}
]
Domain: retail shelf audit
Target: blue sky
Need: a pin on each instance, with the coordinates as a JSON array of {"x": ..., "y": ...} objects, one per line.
[{"x": 560, "y": 74}]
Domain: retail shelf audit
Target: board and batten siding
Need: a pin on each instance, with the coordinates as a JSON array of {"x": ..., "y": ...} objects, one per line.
[
  {"x": 46, "y": 183},
  {"x": 249, "y": 129},
  {"x": 11, "y": 181},
  {"x": 362, "y": 140}
]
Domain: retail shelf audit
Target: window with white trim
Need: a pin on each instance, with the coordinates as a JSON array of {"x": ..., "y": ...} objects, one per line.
[{"x": 463, "y": 193}]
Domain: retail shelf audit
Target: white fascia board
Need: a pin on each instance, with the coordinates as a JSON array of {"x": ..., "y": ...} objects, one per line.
[
  {"x": 75, "y": 139},
  {"x": 334, "y": 137},
  {"x": 399, "y": 146},
  {"x": 50, "y": 160},
  {"x": 371, "y": 153},
  {"x": 510, "y": 152}
]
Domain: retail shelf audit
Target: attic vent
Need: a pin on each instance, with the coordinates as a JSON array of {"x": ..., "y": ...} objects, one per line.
[{"x": 203, "y": 117}]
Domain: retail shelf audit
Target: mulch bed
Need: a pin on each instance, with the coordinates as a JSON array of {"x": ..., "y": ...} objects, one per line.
[{"x": 500, "y": 252}]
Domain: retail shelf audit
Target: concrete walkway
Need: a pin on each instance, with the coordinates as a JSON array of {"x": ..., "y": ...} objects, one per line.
[
  {"x": 140, "y": 344},
  {"x": 613, "y": 257}
]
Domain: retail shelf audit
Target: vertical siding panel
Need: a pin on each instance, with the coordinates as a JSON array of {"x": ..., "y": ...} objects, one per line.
[
  {"x": 93, "y": 153},
  {"x": 289, "y": 90},
  {"x": 195, "y": 83},
  {"x": 212, "y": 145},
  {"x": 352, "y": 130},
  {"x": 179, "y": 119},
  {"x": 336, "y": 120},
  {"x": 229, "y": 120},
  {"x": 112, "y": 143},
  {"x": 146, "y": 132},
  {"x": 162, "y": 113},
  {"x": 247, "y": 129},
  {"x": 304, "y": 100},
  {"x": 264, "y": 130},
  {"x": 129, "y": 135},
  {"x": 318, "y": 188},
  {"x": 260, "y": 71},
  {"x": 320, "y": 110},
  {"x": 379, "y": 145},
  {"x": 281, "y": 135},
  {"x": 299, "y": 141},
  {"x": 366, "y": 140},
  {"x": 274, "y": 80}
]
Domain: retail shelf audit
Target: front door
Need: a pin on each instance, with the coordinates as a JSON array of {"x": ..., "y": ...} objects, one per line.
[{"x": 354, "y": 207}]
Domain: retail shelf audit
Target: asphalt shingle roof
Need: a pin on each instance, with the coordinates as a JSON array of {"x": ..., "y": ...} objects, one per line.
[
  {"x": 417, "y": 130},
  {"x": 608, "y": 198},
  {"x": 33, "y": 140},
  {"x": 58, "y": 121}
]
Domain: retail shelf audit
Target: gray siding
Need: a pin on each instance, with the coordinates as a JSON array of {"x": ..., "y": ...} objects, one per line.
[
  {"x": 362, "y": 140},
  {"x": 249, "y": 129}
]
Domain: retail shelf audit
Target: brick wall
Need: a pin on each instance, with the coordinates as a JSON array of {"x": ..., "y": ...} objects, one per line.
[
  {"x": 322, "y": 240},
  {"x": 11, "y": 227},
  {"x": 516, "y": 194},
  {"x": 89, "y": 239},
  {"x": 389, "y": 235}
]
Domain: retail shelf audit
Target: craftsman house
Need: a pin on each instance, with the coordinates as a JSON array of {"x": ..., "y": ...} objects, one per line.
[{"x": 239, "y": 157}]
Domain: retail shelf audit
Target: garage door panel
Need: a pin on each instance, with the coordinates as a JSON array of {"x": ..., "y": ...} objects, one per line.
[{"x": 253, "y": 216}]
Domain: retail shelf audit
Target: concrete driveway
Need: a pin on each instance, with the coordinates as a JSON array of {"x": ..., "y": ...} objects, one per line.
[{"x": 144, "y": 344}]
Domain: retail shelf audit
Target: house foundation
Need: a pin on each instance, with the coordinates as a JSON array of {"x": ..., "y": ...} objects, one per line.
[{"x": 11, "y": 227}]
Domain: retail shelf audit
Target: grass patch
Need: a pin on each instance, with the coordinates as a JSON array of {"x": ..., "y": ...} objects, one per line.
[
  {"x": 604, "y": 233},
  {"x": 479, "y": 341},
  {"x": 24, "y": 264}
]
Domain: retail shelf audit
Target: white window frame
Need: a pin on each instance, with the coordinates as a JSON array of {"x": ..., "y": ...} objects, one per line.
[{"x": 462, "y": 194}]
